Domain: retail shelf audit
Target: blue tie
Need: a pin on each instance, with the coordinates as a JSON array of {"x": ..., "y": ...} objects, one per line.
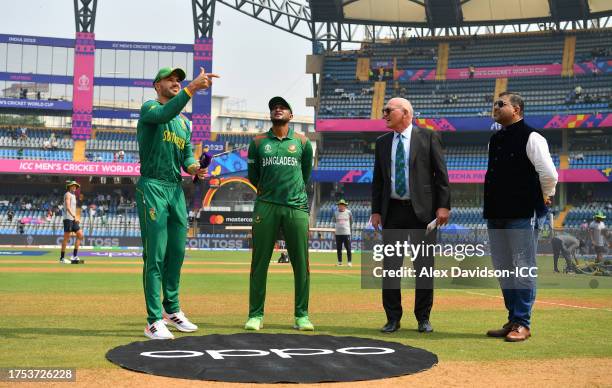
[{"x": 400, "y": 168}]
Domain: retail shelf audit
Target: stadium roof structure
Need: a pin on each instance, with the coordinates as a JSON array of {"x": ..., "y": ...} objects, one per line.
[
  {"x": 334, "y": 22},
  {"x": 452, "y": 13}
]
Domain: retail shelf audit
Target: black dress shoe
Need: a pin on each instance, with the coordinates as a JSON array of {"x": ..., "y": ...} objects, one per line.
[
  {"x": 425, "y": 327},
  {"x": 390, "y": 327}
]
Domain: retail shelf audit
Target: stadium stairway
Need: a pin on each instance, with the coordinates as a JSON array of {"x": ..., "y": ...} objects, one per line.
[
  {"x": 78, "y": 154},
  {"x": 442, "y": 66},
  {"x": 560, "y": 219},
  {"x": 569, "y": 53},
  {"x": 363, "y": 69},
  {"x": 563, "y": 161},
  {"x": 378, "y": 99},
  {"x": 501, "y": 85}
]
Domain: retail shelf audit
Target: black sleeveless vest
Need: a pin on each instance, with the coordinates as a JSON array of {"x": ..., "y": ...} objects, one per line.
[{"x": 512, "y": 186}]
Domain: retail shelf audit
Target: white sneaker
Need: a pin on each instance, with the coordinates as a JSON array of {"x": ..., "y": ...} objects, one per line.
[
  {"x": 180, "y": 321},
  {"x": 339, "y": 264},
  {"x": 350, "y": 264},
  {"x": 158, "y": 331},
  {"x": 64, "y": 261}
]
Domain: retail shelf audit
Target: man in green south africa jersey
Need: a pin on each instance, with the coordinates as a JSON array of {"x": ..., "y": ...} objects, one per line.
[
  {"x": 280, "y": 163},
  {"x": 164, "y": 142}
]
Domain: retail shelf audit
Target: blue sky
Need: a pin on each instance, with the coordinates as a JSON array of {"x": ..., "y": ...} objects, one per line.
[{"x": 256, "y": 61}]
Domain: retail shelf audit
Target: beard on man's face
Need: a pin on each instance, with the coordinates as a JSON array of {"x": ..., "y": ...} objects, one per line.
[
  {"x": 282, "y": 121},
  {"x": 168, "y": 93}
]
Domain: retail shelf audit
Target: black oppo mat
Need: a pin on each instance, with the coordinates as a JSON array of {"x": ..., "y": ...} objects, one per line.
[{"x": 272, "y": 358}]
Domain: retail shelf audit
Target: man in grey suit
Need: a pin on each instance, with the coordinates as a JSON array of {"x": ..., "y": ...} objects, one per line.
[{"x": 409, "y": 189}]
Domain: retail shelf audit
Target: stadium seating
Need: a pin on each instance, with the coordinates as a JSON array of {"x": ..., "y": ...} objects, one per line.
[
  {"x": 41, "y": 215},
  {"x": 32, "y": 146},
  {"x": 457, "y": 158},
  {"x": 503, "y": 51},
  {"x": 343, "y": 96},
  {"x": 593, "y": 160},
  {"x": 577, "y": 216},
  {"x": 112, "y": 141}
]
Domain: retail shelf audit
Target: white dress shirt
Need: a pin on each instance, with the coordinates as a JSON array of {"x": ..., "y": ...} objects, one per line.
[
  {"x": 538, "y": 154},
  {"x": 405, "y": 135}
]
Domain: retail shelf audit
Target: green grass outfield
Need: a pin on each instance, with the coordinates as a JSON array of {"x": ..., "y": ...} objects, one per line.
[{"x": 71, "y": 315}]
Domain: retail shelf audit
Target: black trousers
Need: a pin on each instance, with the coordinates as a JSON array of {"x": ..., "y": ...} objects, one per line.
[
  {"x": 402, "y": 223},
  {"x": 346, "y": 241}
]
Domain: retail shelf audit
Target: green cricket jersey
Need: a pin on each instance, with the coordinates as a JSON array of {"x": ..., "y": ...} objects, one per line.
[
  {"x": 280, "y": 168},
  {"x": 164, "y": 139}
]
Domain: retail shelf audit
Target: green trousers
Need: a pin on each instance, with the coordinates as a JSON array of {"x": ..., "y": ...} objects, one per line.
[
  {"x": 163, "y": 228},
  {"x": 268, "y": 219}
]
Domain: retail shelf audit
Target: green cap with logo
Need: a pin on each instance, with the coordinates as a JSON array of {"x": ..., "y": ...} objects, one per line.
[
  {"x": 166, "y": 71},
  {"x": 279, "y": 101}
]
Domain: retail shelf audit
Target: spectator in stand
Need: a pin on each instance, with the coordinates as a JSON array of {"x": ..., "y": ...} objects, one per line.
[
  {"x": 53, "y": 141},
  {"x": 20, "y": 153},
  {"x": 24, "y": 132},
  {"x": 121, "y": 156},
  {"x": 47, "y": 145},
  {"x": 578, "y": 91},
  {"x": 10, "y": 215},
  {"x": 472, "y": 71},
  {"x": 594, "y": 68}
]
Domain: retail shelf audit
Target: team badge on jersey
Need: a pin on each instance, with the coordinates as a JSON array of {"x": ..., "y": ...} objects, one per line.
[
  {"x": 292, "y": 148},
  {"x": 152, "y": 214},
  {"x": 257, "y": 219},
  {"x": 267, "y": 148}
]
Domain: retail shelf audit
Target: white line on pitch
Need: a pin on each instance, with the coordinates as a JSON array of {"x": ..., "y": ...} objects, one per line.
[{"x": 543, "y": 302}]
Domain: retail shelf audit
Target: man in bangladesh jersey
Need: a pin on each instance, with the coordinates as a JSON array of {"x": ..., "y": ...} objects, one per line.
[
  {"x": 280, "y": 163},
  {"x": 164, "y": 145}
]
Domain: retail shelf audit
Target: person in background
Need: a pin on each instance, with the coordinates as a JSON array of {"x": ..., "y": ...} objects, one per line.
[
  {"x": 566, "y": 245},
  {"x": 598, "y": 234},
  {"x": 71, "y": 224},
  {"x": 344, "y": 222}
]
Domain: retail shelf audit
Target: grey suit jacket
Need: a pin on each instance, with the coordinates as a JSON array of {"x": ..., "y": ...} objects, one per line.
[{"x": 428, "y": 180}]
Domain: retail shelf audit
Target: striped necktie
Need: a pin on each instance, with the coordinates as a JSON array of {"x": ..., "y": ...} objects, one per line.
[{"x": 400, "y": 167}]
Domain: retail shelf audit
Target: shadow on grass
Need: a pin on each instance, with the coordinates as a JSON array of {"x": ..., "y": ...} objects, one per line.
[{"x": 344, "y": 331}]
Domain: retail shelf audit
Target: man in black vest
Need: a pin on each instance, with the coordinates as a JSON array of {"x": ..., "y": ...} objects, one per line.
[
  {"x": 520, "y": 181},
  {"x": 409, "y": 189}
]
